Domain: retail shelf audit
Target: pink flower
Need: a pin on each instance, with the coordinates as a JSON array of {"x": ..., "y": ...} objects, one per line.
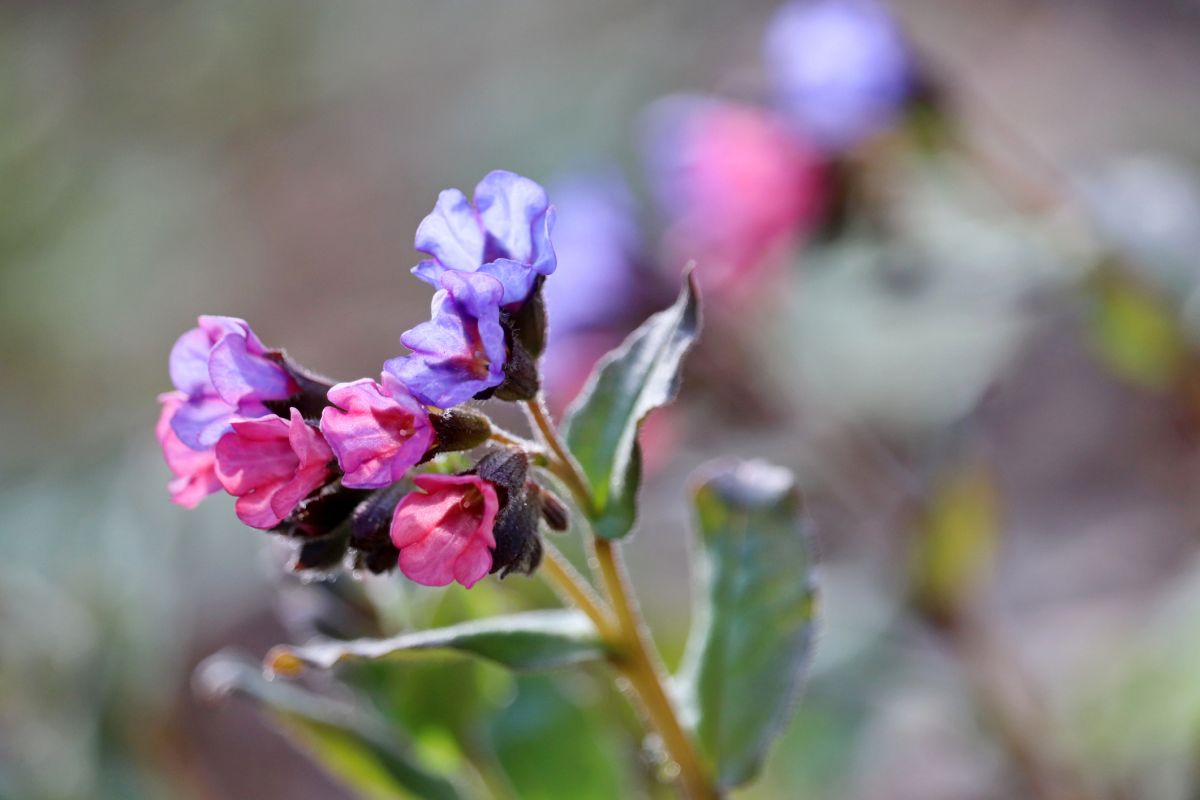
[
  {"x": 445, "y": 534},
  {"x": 270, "y": 464},
  {"x": 738, "y": 186},
  {"x": 194, "y": 470},
  {"x": 377, "y": 432}
]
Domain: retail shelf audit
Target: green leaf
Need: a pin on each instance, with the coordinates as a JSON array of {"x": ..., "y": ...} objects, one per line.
[
  {"x": 556, "y": 741},
  {"x": 751, "y": 642},
  {"x": 532, "y": 640},
  {"x": 350, "y": 742},
  {"x": 602, "y": 424}
]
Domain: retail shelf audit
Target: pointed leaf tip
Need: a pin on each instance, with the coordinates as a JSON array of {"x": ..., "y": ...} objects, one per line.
[{"x": 601, "y": 426}]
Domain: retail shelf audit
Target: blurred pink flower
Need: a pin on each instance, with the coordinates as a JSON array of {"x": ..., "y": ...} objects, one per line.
[
  {"x": 738, "y": 188},
  {"x": 270, "y": 464},
  {"x": 445, "y": 533},
  {"x": 377, "y": 432},
  {"x": 194, "y": 470}
]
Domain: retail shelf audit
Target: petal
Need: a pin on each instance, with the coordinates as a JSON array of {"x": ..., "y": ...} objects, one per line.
[
  {"x": 201, "y": 421},
  {"x": 255, "y": 510},
  {"x": 429, "y": 271},
  {"x": 257, "y": 454},
  {"x": 438, "y": 383},
  {"x": 451, "y": 233},
  {"x": 194, "y": 470},
  {"x": 188, "y": 363},
  {"x": 439, "y": 540},
  {"x": 218, "y": 328},
  {"x": 516, "y": 279},
  {"x": 517, "y": 218},
  {"x": 377, "y": 433},
  {"x": 307, "y": 442},
  {"x": 239, "y": 375}
]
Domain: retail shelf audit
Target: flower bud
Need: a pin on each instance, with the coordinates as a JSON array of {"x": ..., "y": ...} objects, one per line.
[
  {"x": 554, "y": 511},
  {"x": 458, "y": 429}
]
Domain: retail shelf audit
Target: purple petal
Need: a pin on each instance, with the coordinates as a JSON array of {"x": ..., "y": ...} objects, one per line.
[
  {"x": 201, "y": 421},
  {"x": 219, "y": 327},
  {"x": 188, "y": 364},
  {"x": 239, "y": 375},
  {"x": 429, "y": 271},
  {"x": 452, "y": 233},
  {"x": 460, "y": 351},
  {"x": 517, "y": 217}
]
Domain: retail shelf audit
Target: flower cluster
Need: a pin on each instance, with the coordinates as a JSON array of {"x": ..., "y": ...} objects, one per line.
[{"x": 351, "y": 470}]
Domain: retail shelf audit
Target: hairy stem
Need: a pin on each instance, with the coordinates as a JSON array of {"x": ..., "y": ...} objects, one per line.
[
  {"x": 563, "y": 463},
  {"x": 633, "y": 652},
  {"x": 574, "y": 588},
  {"x": 639, "y": 662}
]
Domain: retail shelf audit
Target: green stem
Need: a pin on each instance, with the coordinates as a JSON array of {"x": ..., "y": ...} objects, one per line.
[
  {"x": 573, "y": 588},
  {"x": 632, "y": 651}
]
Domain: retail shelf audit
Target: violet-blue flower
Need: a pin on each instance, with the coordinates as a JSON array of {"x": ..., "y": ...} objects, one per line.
[
  {"x": 460, "y": 351},
  {"x": 840, "y": 68},
  {"x": 504, "y": 232},
  {"x": 221, "y": 368}
]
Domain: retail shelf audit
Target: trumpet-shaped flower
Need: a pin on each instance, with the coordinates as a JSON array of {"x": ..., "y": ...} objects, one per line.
[
  {"x": 378, "y": 432},
  {"x": 222, "y": 370},
  {"x": 271, "y": 464},
  {"x": 504, "y": 232},
  {"x": 445, "y": 533},
  {"x": 460, "y": 351}
]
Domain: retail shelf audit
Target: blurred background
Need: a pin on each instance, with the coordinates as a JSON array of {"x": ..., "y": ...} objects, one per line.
[{"x": 971, "y": 324}]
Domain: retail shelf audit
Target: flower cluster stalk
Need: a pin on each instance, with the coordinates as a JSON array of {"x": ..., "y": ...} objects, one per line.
[{"x": 631, "y": 650}]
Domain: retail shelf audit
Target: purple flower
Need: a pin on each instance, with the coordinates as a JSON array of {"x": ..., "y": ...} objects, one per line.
[
  {"x": 840, "y": 68},
  {"x": 504, "y": 233},
  {"x": 222, "y": 370},
  {"x": 599, "y": 244},
  {"x": 460, "y": 351},
  {"x": 377, "y": 432}
]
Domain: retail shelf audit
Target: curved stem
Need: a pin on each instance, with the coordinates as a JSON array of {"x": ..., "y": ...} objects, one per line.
[
  {"x": 573, "y": 588},
  {"x": 638, "y": 661},
  {"x": 563, "y": 464},
  {"x": 633, "y": 652}
]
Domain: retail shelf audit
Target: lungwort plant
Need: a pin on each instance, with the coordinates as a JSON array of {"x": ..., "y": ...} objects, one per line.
[{"x": 408, "y": 474}]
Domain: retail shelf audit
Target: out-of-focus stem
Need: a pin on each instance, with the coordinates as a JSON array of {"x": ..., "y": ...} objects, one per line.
[{"x": 1003, "y": 695}]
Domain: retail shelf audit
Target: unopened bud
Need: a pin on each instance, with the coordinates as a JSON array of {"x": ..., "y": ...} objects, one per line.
[{"x": 459, "y": 429}]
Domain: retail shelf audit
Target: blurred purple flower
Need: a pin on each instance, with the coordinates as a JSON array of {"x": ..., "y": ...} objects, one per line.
[
  {"x": 840, "y": 68},
  {"x": 504, "y": 233},
  {"x": 222, "y": 369},
  {"x": 377, "y": 432},
  {"x": 598, "y": 245},
  {"x": 460, "y": 351}
]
